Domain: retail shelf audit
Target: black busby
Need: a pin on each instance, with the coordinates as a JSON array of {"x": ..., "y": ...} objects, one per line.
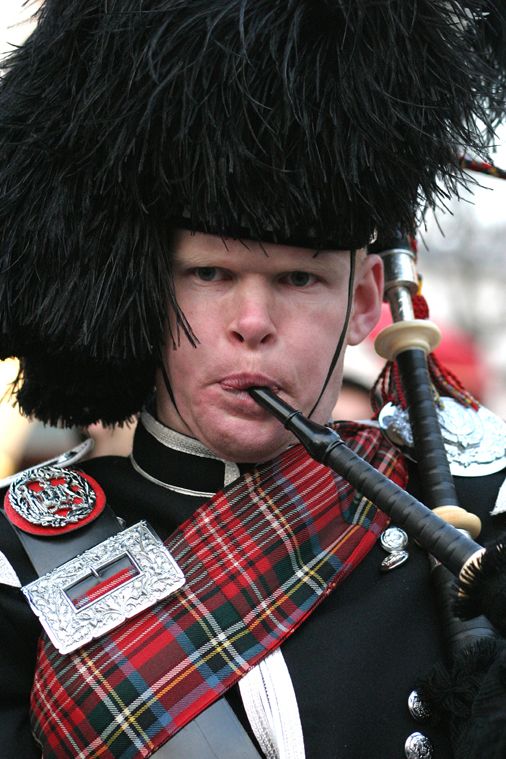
[{"x": 305, "y": 121}]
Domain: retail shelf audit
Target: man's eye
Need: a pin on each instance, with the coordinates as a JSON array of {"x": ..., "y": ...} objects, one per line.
[
  {"x": 300, "y": 278},
  {"x": 207, "y": 273}
]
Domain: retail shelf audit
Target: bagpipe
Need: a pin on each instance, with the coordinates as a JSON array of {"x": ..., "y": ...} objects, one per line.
[{"x": 469, "y": 580}]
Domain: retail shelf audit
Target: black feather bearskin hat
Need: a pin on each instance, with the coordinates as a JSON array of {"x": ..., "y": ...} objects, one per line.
[{"x": 301, "y": 121}]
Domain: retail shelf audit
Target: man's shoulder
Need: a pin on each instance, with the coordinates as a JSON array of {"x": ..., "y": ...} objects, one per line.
[
  {"x": 15, "y": 568},
  {"x": 106, "y": 469},
  {"x": 369, "y": 442},
  {"x": 362, "y": 434},
  {"x": 483, "y": 493},
  {"x": 486, "y": 496}
]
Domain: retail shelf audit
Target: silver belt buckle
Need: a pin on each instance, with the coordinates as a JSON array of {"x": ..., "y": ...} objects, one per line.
[{"x": 101, "y": 588}]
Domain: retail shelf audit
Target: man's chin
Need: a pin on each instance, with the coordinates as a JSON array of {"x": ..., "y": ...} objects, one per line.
[
  {"x": 231, "y": 436},
  {"x": 247, "y": 443}
]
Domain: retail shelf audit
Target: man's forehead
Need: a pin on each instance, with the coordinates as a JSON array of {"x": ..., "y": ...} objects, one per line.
[{"x": 195, "y": 246}]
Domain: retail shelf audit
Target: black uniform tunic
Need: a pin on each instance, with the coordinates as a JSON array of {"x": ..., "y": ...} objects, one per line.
[{"x": 353, "y": 663}]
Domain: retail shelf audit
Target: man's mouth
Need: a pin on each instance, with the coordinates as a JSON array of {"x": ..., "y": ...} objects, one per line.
[{"x": 242, "y": 382}]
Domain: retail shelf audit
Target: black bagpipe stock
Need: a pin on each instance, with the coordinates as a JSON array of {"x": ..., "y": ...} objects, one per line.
[
  {"x": 442, "y": 540},
  {"x": 430, "y": 453},
  {"x": 438, "y": 489}
]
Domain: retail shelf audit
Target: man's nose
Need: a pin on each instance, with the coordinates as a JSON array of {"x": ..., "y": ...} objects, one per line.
[{"x": 251, "y": 320}]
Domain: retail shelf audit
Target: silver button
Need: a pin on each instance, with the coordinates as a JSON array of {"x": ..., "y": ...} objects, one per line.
[
  {"x": 418, "y": 709},
  {"x": 418, "y": 746},
  {"x": 394, "y": 560},
  {"x": 393, "y": 539}
]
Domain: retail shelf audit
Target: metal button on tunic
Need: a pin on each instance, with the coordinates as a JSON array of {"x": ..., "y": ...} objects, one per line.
[
  {"x": 418, "y": 708},
  {"x": 394, "y": 541},
  {"x": 394, "y": 560},
  {"x": 418, "y": 746}
]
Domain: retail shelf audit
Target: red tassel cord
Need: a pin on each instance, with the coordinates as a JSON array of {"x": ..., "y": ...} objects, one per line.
[{"x": 388, "y": 387}]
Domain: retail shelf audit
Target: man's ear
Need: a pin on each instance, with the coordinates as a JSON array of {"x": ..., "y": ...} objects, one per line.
[{"x": 368, "y": 296}]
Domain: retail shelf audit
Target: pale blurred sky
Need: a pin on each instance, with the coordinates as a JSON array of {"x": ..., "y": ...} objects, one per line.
[{"x": 14, "y": 25}]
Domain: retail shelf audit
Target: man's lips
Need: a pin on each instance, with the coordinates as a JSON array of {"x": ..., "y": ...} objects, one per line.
[{"x": 242, "y": 382}]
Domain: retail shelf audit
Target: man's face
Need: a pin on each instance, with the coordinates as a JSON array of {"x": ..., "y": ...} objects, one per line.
[{"x": 267, "y": 315}]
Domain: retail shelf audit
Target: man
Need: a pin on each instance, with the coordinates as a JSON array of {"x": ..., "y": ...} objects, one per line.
[{"x": 188, "y": 193}]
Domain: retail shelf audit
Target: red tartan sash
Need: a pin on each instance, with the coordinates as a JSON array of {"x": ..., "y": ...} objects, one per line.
[{"x": 258, "y": 558}]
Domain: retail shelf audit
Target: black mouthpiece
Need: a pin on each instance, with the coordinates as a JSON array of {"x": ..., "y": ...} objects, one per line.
[{"x": 316, "y": 439}]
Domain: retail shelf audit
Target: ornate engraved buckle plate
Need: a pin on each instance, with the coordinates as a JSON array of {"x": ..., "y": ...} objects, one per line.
[
  {"x": 98, "y": 590},
  {"x": 50, "y": 497}
]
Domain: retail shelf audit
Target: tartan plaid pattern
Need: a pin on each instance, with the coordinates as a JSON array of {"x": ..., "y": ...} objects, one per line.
[{"x": 257, "y": 558}]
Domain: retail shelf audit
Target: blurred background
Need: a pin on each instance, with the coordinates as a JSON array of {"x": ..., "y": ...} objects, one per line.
[{"x": 462, "y": 258}]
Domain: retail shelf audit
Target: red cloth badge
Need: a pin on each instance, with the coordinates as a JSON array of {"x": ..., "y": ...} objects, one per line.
[{"x": 52, "y": 500}]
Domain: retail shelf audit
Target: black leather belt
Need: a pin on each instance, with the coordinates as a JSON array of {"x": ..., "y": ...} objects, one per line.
[{"x": 47, "y": 553}]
